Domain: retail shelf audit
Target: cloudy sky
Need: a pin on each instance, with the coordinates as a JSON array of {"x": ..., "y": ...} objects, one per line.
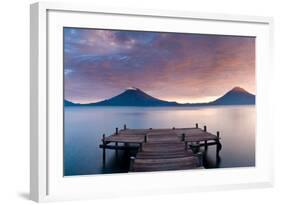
[{"x": 99, "y": 64}]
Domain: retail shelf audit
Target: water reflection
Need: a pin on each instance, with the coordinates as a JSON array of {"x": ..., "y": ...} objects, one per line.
[{"x": 84, "y": 128}]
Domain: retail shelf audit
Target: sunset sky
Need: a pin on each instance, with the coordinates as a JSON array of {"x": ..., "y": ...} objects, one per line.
[{"x": 99, "y": 64}]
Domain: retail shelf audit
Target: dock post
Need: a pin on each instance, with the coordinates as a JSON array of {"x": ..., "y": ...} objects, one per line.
[
  {"x": 126, "y": 148},
  {"x": 185, "y": 145},
  {"x": 116, "y": 150},
  {"x": 140, "y": 148},
  {"x": 218, "y": 143},
  {"x": 196, "y": 125},
  {"x": 125, "y": 126},
  {"x": 183, "y": 137},
  {"x": 145, "y": 138},
  {"x": 185, "y": 142},
  {"x": 205, "y": 128},
  {"x": 219, "y": 147},
  {"x": 116, "y": 131},
  {"x": 103, "y": 149},
  {"x": 132, "y": 160},
  {"x": 206, "y": 145},
  {"x": 200, "y": 159}
]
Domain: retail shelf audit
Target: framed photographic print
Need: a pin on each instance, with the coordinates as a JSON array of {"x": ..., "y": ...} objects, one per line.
[{"x": 127, "y": 102}]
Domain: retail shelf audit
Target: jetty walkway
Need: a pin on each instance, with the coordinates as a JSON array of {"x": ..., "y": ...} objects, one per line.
[{"x": 162, "y": 149}]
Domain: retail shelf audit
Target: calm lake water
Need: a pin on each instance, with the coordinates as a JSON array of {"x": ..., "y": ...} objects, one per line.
[{"x": 84, "y": 127}]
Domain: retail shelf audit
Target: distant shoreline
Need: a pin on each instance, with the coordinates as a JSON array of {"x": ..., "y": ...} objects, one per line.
[
  {"x": 137, "y": 98},
  {"x": 184, "y": 106}
]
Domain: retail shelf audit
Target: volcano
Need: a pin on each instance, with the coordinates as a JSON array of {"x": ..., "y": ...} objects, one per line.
[
  {"x": 136, "y": 97},
  {"x": 236, "y": 96}
]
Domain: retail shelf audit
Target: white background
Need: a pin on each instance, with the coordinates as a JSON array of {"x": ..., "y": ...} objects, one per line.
[{"x": 14, "y": 103}]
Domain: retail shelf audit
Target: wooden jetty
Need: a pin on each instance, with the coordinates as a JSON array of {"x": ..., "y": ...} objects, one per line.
[{"x": 162, "y": 149}]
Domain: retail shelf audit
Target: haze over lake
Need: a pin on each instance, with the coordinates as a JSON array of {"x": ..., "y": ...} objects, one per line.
[{"x": 84, "y": 126}]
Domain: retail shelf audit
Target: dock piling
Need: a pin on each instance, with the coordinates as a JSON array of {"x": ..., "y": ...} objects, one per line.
[
  {"x": 183, "y": 137},
  {"x": 116, "y": 131},
  {"x": 200, "y": 159},
  {"x": 185, "y": 145},
  {"x": 196, "y": 125},
  {"x": 116, "y": 150},
  {"x": 132, "y": 160},
  {"x": 219, "y": 146},
  {"x": 103, "y": 149},
  {"x": 206, "y": 144},
  {"x": 205, "y": 128},
  {"x": 140, "y": 148},
  {"x": 125, "y": 126},
  {"x": 145, "y": 138}
]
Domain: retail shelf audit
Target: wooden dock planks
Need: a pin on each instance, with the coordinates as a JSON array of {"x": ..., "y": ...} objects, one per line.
[
  {"x": 165, "y": 164},
  {"x": 137, "y": 135},
  {"x": 162, "y": 149}
]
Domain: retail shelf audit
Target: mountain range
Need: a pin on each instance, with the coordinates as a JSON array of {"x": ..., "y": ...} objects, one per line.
[{"x": 136, "y": 97}]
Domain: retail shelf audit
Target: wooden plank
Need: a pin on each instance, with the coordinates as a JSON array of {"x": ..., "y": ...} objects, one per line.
[
  {"x": 164, "y": 155},
  {"x": 189, "y": 131},
  {"x": 165, "y": 164},
  {"x": 168, "y": 139},
  {"x": 167, "y": 144},
  {"x": 167, "y": 148},
  {"x": 167, "y": 152},
  {"x": 119, "y": 147},
  {"x": 125, "y": 139},
  {"x": 134, "y": 131},
  {"x": 200, "y": 138},
  {"x": 164, "y": 161},
  {"x": 203, "y": 134},
  {"x": 161, "y": 135}
]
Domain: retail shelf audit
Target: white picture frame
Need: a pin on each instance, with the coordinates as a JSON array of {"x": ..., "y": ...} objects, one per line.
[{"x": 46, "y": 179}]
